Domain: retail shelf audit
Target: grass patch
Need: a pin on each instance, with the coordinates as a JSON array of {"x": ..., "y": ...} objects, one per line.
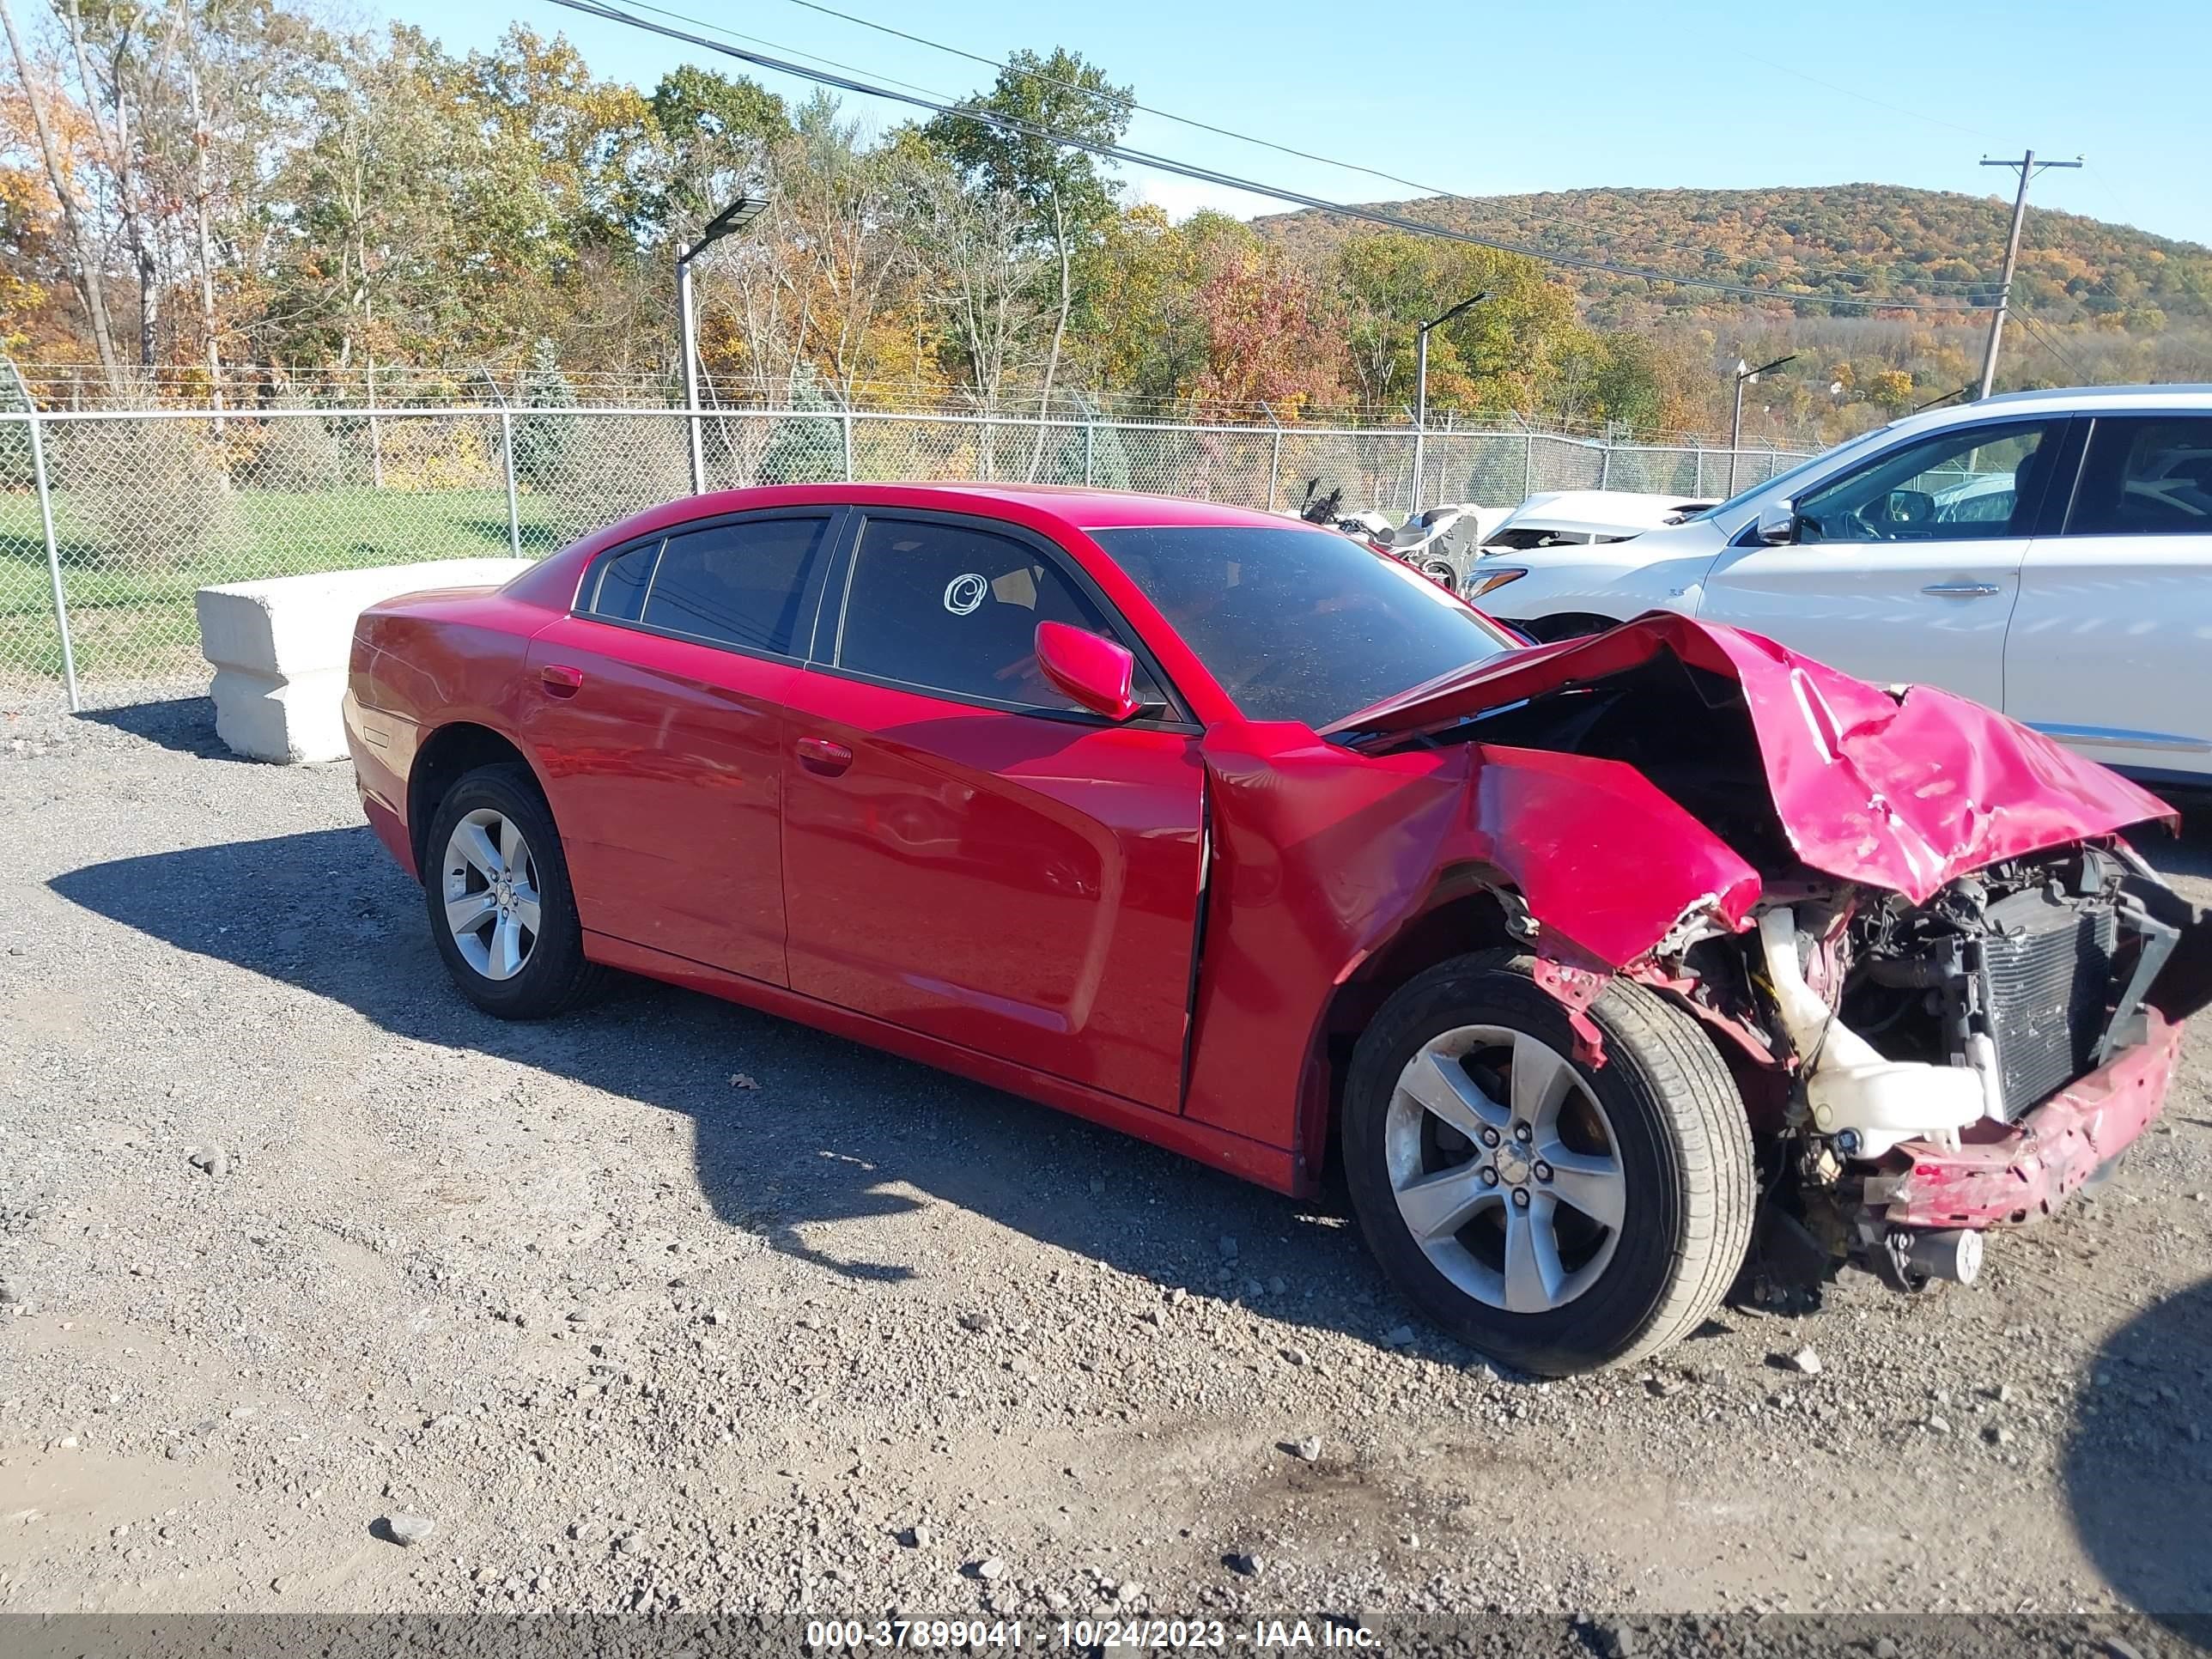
[{"x": 131, "y": 611}]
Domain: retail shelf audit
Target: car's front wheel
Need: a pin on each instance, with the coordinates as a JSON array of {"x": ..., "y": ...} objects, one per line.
[
  {"x": 501, "y": 910},
  {"x": 1557, "y": 1215}
]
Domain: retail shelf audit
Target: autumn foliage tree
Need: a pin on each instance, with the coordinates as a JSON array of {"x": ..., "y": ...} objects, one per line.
[
  {"x": 236, "y": 199},
  {"x": 1270, "y": 335}
]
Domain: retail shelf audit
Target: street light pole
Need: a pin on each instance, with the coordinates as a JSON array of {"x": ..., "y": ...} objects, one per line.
[
  {"x": 1421, "y": 386},
  {"x": 688, "y": 345},
  {"x": 1744, "y": 375},
  {"x": 734, "y": 217}
]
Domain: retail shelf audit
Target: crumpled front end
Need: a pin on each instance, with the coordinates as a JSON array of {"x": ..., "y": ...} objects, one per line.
[
  {"x": 1902, "y": 788},
  {"x": 2027, "y": 1170},
  {"x": 1950, "y": 992},
  {"x": 1971, "y": 1062}
]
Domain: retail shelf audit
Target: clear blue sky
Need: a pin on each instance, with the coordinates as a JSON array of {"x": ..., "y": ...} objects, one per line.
[{"x": 1484, "y": 99}]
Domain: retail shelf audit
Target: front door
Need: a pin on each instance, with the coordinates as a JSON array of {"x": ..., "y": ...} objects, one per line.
[
  {"x": 1907, "y": 568},
  {"x": 659, "y": 722},
  {"x": 967, "y": 855}
]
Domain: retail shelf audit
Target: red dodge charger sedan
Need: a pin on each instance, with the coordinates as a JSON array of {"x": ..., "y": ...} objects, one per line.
[{"x": 1586, "y": 961}]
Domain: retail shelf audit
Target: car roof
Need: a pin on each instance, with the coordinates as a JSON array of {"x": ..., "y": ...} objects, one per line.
[
  {"x": 1075, "y": 506},
  {"x": 2064, "y": 400}
]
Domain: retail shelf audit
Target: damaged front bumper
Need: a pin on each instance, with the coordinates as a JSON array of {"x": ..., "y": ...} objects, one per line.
[{"x": 2005, "y": 1173}]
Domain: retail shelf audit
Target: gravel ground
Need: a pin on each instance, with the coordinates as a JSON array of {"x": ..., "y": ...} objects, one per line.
[{"x": 669, "y": 1306}]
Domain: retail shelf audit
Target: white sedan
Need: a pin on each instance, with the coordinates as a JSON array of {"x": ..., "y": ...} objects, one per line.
[{"x": 2048, "y": 553}]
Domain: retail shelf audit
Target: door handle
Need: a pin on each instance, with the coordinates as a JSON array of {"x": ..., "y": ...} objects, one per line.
[
  {"x": 1962, "y": 590},
  {"x": 822, "y": 756},
  {"x": 560, "y": 680}
]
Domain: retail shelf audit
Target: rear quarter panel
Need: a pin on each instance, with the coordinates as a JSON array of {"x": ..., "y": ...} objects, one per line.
[{"x": 423, "y": 661}]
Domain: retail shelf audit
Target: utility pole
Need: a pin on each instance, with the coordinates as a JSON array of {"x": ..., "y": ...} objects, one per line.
[{"x": 2028, "y": 169}]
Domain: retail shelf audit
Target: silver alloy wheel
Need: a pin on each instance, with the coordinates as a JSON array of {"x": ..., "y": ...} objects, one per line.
[
  {"x": 491, "y": 894},
  {"x": 1516, "y": 1195}
]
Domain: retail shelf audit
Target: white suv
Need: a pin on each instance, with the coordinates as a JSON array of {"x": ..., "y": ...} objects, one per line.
[{"x": 2047, "y": 553}]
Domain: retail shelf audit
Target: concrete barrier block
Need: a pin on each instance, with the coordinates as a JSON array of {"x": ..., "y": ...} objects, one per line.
[{"x": 279, "y": 649}]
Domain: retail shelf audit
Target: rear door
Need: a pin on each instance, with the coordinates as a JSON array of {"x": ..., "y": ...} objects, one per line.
[
  {"x": 2111, "y": 648},
  {"x": 966, "y": 854},
  {"x": 1907, "y": 566},
  {"x": 659, "y": 722}
]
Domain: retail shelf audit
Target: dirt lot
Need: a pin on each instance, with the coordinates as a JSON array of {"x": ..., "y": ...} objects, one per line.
[{"x": 668, "y": 1305}]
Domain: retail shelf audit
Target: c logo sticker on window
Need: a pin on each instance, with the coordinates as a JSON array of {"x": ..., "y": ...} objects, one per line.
[{"x": 966, "y": 593}]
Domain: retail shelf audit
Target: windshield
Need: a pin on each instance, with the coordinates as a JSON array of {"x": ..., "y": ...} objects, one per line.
[
  {"x": 1297, "y": 623},
  {"x": 1812, "y": 464}
]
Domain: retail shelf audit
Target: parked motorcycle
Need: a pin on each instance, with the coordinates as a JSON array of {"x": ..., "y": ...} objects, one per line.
[{"x": 1429, "y": 540}]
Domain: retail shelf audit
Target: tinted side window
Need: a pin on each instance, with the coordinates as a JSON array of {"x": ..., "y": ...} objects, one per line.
[
  {"x": 620, "y": 583},
  {"x": 948, "y": 608},
  {"x": 2146, "y": 475},
  {"x": 1957, "y": 485},
  {"x": 737, "y": 584}
]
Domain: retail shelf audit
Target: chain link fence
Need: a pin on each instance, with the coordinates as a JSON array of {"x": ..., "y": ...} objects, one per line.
[{"x": 110, "y": 521}]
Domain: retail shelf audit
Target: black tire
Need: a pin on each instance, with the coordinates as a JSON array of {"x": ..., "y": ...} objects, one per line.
[
  {"x": 1681, "y": 1142},
  {"x": 555, "y": 977}
]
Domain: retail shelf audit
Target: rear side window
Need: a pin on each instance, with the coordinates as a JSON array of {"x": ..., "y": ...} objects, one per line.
[
  {"x": 741, "y": 585},
  {"x": 951, "y": 610},
  {"x": 619, "y": 592},
  {"x": 2146, "y": 475}
]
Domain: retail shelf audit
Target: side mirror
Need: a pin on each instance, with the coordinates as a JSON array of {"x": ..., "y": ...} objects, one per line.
[
  {"x": 1098, "y": 674},
  {"x": 1777, "y": 523},
  {"x": 1911, "y": 506}
]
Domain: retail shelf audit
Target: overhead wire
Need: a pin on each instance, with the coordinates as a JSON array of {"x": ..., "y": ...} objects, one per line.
[
  {"x": 1567, "y": 226},
  {"x": 1864, "y": 97},
  {"x": 2049, "y": 341},
  {"x": 853, "y": 81}
]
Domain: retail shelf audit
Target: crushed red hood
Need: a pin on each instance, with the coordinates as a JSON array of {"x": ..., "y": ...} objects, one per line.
[{"x": 1901, "y": 788}]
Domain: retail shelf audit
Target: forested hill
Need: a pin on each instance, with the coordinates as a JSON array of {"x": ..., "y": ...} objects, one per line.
[{"x": 1862, "y": 242}]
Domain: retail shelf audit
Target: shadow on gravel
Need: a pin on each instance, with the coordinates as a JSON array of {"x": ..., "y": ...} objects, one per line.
[
  {"x": 2138, "y": 1462},
  {"x": 835, "y": 1132},
  {"x": 185, "y": 725}
]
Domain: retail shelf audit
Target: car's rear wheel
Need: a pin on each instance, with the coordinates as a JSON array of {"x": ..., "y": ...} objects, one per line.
[
  {"x": 1558, "y": 1216},
  {"x": 501, "y": 910}
]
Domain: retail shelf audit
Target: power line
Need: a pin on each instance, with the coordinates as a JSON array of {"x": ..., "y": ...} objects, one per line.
[
  {"x": 1864, "y": 97},
  {"x": 774, "y": 45},
  {"x": 1231, "y": 181},
  {"x": 2049, "y": 341},
  {"x": 1564, "y": 225}
]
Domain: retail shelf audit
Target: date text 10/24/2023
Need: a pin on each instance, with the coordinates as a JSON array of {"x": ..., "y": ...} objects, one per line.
[{"x": 1086, "y": 1635}]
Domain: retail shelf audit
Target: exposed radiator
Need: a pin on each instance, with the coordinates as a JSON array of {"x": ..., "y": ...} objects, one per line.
[{"x": 2046, "y": 989}]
